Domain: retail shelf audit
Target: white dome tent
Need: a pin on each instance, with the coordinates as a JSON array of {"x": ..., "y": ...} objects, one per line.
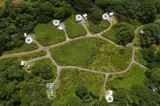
[
  {"x": 105, "y": 16},
  {"x": 28, "y": 40},
  {"x": 79, "y": 18},
  {"x": 56, "y": 23},
  {"x": 109, "y": 98}
]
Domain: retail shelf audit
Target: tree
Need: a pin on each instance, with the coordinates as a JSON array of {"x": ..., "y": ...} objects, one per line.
[{"x": 124, "y": 33}]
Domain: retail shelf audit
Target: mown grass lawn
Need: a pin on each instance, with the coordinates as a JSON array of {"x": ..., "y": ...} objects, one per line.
[
  {"x": 77, "y": 52},
  {"x": 48, "y": 34},
  {"x": 22, "y": 48},
  {"x": 93, "y": 53},
  {"x": 69, "y": 80},
  {"x": 73, "y": 28},
  {"x": 97, "y": 27},
  {"x": 136, "y": 75}
]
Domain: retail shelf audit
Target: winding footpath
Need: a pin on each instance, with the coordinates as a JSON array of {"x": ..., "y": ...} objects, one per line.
[{"x": 88, "y": 35}]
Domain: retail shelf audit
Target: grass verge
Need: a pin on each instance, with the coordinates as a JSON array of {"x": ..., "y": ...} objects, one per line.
[{"x": 92, "y": 53}]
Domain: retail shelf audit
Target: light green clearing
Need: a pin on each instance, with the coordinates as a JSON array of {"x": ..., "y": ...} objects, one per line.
[
  {"x": 139, "y": 57},
  {"x": 111, "y": 34},
  {"x": 2, "y": 2},
  {"x": 136, "y": 75},
  {"x": 69, "y": 80},
  {"x": 48, "y": 34},
  {"x": 92, "y": 53},
  {"x": 74, "y": 29},
  {"x": 31, "y": 55},
  {"x": 97, "y": 27},
  {"x": 23, "y": 48}
]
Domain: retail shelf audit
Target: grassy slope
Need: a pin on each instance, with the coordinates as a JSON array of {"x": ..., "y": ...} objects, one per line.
[
  {"x": 74, "y": 29},
  {"x": 98, "y": 27},
  {"x": 135, "y": 75},
  {"x": 92, "y": 53},
  {"x": 110, "y": 59},
  {"x": 139, "y": 58},
  {"x": 70, "y": 79},
  {"x": 23, "y": 48},
  {"x": 47, "y": 34},
  {"x": 111, "y": 34}
]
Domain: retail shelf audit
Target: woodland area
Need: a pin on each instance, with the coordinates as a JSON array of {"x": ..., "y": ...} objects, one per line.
[{"x": 23, "y": 17}]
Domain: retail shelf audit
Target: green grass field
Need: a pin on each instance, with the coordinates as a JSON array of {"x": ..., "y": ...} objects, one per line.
[
  {"x": 47, "y": 34},
  {"x": 22, "y": 48},
  {"x": 70, "y": 79},
  {"x": 111, "y": 34},
  {"x": 93, "y": 53},
  {"x": 136, "y": 75},
  {"x": 44, "y": 69},
  {"x": 98, "y": 27},
  {"x": 74, "y": 29}
]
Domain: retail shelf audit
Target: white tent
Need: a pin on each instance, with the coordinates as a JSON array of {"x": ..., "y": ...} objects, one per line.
[
  {"x": 105, "y": 16},
  {"x": 28, "y": 40},
  {"x": 109, "y": 98},
  {"x": 56, "y": 23},
  {"x": 79, "y": 18}
]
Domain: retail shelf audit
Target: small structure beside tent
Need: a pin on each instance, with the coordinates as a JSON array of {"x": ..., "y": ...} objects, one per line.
[
  {"x": 60, "y": 28},
  {"x": 109, "y": 92},
  {"x": 23, "y": 63},
  {"x": 85, "y": 16},
  {"x": 111, "y": 14},
  {"x": 25, "y": 35},
  {"x": 28, "y": 67},
  {"x": 51, "y": 93},
  {"x": 154, "y": 89},
  {"x": 56, "y": 23},
  {"x": 141, "y": 32},
  {"x": 79, "y": 18},
  {"x": 28, "y": 40}
]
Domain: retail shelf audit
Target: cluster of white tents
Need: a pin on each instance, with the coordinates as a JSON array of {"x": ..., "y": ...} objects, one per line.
[
  {"x": 57, "y": 23},
  {"x": 109, "y": 96},
  {"x": 28, "y": 39},
  {"x": 107, "y": 16},
  {"x": 80, "y": 17}
]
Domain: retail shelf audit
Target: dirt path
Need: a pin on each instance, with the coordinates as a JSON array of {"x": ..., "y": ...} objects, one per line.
[{"x": 89, "y": 35}]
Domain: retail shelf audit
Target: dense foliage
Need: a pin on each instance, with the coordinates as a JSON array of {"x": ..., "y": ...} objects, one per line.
[
  {"x": 20, "y": 88},
  {"x": 124, "y": 33}
]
